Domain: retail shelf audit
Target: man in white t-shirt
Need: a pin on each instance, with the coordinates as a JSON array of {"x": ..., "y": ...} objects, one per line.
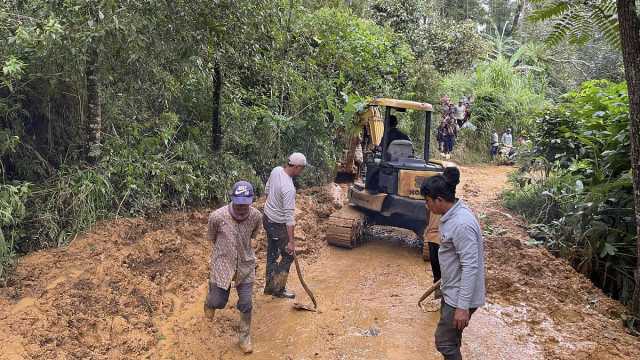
[
  {"x": 459, "y": 112},
  {"x": 507, "y": 138},
  {"x": 279, "y": 223}
]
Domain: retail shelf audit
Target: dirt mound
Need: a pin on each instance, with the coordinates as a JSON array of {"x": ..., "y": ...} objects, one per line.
[
  {"x": 559, "y": 309},
  {"x": 133, "y": 288},
  {"x": 103, "y": 295}
]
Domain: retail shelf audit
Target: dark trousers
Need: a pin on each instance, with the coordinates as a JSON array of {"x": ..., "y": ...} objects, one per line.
[
  {"x": 448, "y": 338},
  {"x": 449, "y": 142},
  {"x": 277, "y": 241},
  {"x": 435, "y": 262},
  {"x": 218, "y": 297},
  {"x": 494, "y": 151}
]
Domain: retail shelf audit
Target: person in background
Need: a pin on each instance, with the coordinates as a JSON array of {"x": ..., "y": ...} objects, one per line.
[
  {"x": 507, "y": 138},
  {"x": 459, "y": 113},
  {"x": 231, "y": 229},
  {"x": 461, "y": 257},
  {"x": 495, "y": 143},
  {"x": 440, "y": 133},
  {"x": 450, "y": 134}
]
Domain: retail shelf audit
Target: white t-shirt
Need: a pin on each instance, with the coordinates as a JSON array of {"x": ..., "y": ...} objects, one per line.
[
  {"x": 507, "y": 139},
  {"x": 459, "y": 112},
  {"x": 281, "y": 197}
]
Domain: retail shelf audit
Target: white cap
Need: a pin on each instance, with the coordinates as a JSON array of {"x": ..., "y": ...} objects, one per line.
[{"x": 297, "y": 159}]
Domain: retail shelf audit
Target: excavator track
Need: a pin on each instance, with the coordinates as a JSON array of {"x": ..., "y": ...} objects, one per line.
[{"x": 345, "y": 228}]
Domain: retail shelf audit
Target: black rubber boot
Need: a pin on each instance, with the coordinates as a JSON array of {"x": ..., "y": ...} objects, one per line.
[{"x": 280, "y": 286}]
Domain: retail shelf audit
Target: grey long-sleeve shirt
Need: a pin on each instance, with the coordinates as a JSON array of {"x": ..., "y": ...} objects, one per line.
[{"x": 461, "y": 257}]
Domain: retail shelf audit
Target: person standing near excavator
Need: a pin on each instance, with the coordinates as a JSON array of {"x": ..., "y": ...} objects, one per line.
[
  {"x": 279, "y": 223},
  {"x": 461, "y": 257}
]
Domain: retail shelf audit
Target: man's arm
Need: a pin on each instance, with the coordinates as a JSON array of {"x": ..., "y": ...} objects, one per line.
[
  {"x": 212, "y": 228},
  {"x": 256, "y": 230},
  {"x": 291, "y": 245},
  {"x": 256, "y": 226},
  {"x": 289, "y": 203},
  {"x": 466, "y": 244}
]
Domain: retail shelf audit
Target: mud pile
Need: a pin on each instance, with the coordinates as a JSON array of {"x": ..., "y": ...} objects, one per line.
[
  {"x": 104, "y": 295},
  {"x": 540, "y": 296}
]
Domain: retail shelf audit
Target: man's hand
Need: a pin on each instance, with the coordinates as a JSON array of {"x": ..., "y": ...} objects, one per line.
[
  {"x": 461, "y": 319},
  {"x": 291, "y": 247}
]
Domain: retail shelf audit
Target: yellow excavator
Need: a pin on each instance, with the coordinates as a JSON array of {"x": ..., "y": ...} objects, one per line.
[{"x": 386, "y": 180}]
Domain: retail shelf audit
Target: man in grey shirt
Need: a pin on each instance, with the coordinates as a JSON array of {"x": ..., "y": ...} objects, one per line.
[
  {"x": 461, "y": 258},
  {"x": 279, "y": 223}
]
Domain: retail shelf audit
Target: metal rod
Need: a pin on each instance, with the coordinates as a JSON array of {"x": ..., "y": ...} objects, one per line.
[
  {"x": 385, "y": 136},
  {"x": 427, "y": 135}
]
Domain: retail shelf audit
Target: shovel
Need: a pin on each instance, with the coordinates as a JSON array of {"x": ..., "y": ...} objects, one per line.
[
  {"x": 430, "y": 290},
  {"x": 300, "y": 306}
]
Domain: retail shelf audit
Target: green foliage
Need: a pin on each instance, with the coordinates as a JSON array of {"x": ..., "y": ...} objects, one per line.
[
  {"x": 503, "y": 97},
  {"x": 576, "y": 185},
  {"x": 293, "y": 72},
  {"x": 12, "y": 212},
  {"x": 369, "y": 58},
  {"x": 579, "y": 21},
  {"x": 448, "y": 42},
  {"x": 67, "y": 204},
  {"x": 452, "y": 45}
]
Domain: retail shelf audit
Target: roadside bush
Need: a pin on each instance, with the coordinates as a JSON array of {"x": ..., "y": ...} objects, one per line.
[
  {"x": 12, "y": 212},
  {"x": 575, "y": 185}
]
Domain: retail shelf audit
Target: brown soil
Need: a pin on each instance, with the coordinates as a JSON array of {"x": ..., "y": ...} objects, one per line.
[
  {"x": 532, "y": 290},
  {"x": 133, "y": 288}
]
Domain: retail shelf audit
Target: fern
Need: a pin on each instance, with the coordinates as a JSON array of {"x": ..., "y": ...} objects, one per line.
[{"x": 578, "y": 21}]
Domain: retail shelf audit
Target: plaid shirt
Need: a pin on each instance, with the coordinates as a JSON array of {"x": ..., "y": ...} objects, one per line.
[{"x": 232, "y": 257}]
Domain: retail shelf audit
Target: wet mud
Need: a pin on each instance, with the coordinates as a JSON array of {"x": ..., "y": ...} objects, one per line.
[{"x": 133, "y": 288}]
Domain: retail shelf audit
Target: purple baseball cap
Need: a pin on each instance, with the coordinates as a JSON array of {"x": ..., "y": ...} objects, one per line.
[{"x": 242, "y": 193}]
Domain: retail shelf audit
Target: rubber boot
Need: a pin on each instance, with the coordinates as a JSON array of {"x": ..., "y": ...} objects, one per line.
[
  {"x": 209, "y": 313},
  {"x": 268, "y": 285},
  {"x": 244, "y": 339},
  {"x": 280, "y": 286}
]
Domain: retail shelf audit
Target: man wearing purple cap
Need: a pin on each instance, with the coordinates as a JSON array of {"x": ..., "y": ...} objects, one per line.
[{"x": 231, "y": 228}]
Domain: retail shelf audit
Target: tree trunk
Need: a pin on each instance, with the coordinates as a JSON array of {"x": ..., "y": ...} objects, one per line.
[
  {"x": 630, "y": 37},
  {"x": 216, "y": 128},
  {"x": 94, "y": 121},
  {"x": 516, "y": 17}
]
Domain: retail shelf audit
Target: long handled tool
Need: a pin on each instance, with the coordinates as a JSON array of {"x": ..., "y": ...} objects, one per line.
[
  {"x": 430, "y": 290},
  {"x": 300, "y": 306}
]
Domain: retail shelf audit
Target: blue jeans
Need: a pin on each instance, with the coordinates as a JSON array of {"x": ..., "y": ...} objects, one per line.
[
  {"x": 449, "y": 141},
  {"x": 277, "y": 241}
]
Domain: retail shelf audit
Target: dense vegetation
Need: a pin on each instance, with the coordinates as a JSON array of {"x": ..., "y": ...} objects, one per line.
[
  {"x": 125, "y": 108},
  {"x": 576, "y": 185}
]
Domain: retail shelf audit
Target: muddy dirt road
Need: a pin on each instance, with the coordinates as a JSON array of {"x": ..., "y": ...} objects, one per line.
[{"x": 133, "y": 289}]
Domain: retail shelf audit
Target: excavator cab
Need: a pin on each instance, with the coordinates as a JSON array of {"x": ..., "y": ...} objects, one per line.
[{"x": 389, "y": 192}]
